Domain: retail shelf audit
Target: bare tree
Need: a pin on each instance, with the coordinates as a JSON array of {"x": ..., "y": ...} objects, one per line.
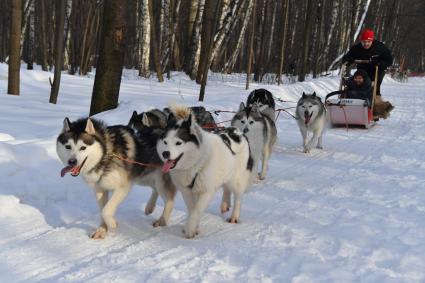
[
  {"x": 195, "y": 45},
  {"x": 283, "y": 48},
  {"x": 208, "y": 29},
  {"x": 228, "y": 67},
  {"x": 145, "y": 38},
  {"x": 15, "y": 47},
  {"x": 111, "y": 57},
  {"x": 155, "y": 47},
  {"x": 59, "y": 42},
  {"x": 306, "y": 41},
  {"x": 250, "y": 48}
]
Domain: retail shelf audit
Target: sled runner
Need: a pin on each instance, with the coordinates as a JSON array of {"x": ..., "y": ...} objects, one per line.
[{"x": 350, "y": 111}]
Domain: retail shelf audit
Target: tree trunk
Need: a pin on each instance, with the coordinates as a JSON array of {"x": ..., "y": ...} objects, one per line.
[
  {"x": 193, "y": 9},
  {"x": 15, "y": 47},
  {"x": 30, "y": 37},
  {"x": 334, "y": 17},
  {"x": 195, "y": 47},
  {"x": 43, "y": 32},
  {"x": 59, "y": 42},
  {"x": 155, "y": 44},
  {"x": 283, "y": 48},
  {"x": 208, "y": 29},
  {"x": 111, "y": 57},
  {"x": 228, "y": 67},
  {"x": 224, "y": 27},
  {"x": 67, "y": 33},
  {"x": 250, "y": 47},
  {"x": 306, "y": 41},
  {"x": 206, "y": 36},
  {"x": 145, "y": 37}
]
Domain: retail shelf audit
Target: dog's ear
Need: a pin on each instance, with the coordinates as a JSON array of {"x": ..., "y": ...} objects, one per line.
[
  {"x": 171, "y": 118},
  {"x": 241, "y": 106},
  {"x": 314, "y": 95},
  {"x": 145, "y": 120},
  {"x": 133, "y": 118},
  {"x": 66, "y": 125},
  {"x": 194, "y": 128},
  {"x": 304, "y": 96},
  {"x": 187, "y": 123},
  {"x": 90, "y": 127}
]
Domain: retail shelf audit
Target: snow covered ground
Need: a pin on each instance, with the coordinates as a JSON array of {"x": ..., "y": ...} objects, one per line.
[{"x": 354, "y": 212}]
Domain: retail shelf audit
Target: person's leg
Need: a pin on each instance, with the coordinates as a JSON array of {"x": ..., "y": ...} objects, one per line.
[{"x": 379, "y": 82}]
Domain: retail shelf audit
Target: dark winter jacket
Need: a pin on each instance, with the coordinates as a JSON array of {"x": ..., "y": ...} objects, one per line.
[
  {"x": 378, "y": 54},
  {"x": 363, "y": 91}
]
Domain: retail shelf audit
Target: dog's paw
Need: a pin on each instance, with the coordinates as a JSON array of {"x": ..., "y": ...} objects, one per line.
[
  {"x": 99, "y": 234},
  {"x": 261, "y": 177},
  {"x": 149, "y": 208},
  {"x": 224, "y": 207},
  {"x": 233, "y": 220},
  {"x": 306, "y": 150},
  {"x": 319, "y": 147},
  {"x": 159, "y": 222},
  {"x": 190, "y": 234}
]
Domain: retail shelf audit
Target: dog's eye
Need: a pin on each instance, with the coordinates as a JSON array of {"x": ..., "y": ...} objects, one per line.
[
  {"x": 178, "y": 143},
  {"x": 165, "y": 142},
  {"x": 83, "y": 148},
  {"x": 67, "y": 146},
  {"x": 310, "y": 106},
  {"x": 243, "y": 122},
  {"x": 252, "y": 122}
]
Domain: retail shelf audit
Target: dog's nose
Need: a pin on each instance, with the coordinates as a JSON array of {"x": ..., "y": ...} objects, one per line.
[
  {"x": 166, "y": 154},
  {"x": 246, "y": 130},
  {"x": 72, "y": 162},
  {"x": 306, "y": 113}
]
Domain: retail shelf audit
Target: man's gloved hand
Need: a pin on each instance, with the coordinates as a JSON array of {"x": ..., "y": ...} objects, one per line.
[{"x": 374, "y": 60}]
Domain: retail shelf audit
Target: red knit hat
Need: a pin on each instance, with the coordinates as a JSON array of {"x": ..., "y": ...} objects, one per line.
[{"x": 367, "y": 34}]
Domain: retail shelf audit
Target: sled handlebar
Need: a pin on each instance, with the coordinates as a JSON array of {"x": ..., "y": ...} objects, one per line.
[
  {"x": 361, "y": 61},
  {"x": 334, "y": 93}
]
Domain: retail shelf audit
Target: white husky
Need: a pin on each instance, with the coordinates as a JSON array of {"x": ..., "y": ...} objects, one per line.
[
  {"x": 200, "y": 163},
  {"x": 311, "y": 116}
]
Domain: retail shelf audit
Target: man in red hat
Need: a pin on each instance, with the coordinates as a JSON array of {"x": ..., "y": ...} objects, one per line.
[{"x": 373, "y": 53}]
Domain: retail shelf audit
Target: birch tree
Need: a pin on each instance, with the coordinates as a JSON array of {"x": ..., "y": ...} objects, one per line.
[{"x": 145, "y": 38}]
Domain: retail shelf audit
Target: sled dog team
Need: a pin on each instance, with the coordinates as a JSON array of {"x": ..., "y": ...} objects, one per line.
[{"x": 180, "y": 148}]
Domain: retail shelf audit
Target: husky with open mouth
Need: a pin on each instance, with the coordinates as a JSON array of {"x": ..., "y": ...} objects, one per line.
[
  {"x": 101, "y": 156},
  {"x": 311, "y": 117},
  {"x": 261, "y": 133},
  {"x": 200, "y": 163}
]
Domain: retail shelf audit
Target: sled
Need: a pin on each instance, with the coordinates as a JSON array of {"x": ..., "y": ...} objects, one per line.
[{"x": 348, "y": 111}]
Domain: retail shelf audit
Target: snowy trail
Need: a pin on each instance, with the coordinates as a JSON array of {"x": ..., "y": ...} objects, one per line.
[{"x": 353, "y": 212}]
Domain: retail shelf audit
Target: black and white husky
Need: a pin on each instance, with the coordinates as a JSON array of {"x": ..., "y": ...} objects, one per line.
[
  {"x": 311, "y": 117},
  {"x": 97, "y": 152},
  {"x": 201, "y": 162},
  {"x": 156, "y": 118},
  {"x": 260, "y": 131},
  {"x": 264, "y": 100}
]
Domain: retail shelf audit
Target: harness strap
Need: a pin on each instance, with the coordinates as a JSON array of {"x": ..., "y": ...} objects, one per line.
[
  {"x": 192, "y": 184},
  {"x": 135, "y": 162}
]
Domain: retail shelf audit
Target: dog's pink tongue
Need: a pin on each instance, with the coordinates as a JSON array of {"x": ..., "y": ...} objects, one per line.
[
  {"x": 66, "y": 170},
  {"x": 306, "y": 118},
  {"x": 167, "y": 166}
]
